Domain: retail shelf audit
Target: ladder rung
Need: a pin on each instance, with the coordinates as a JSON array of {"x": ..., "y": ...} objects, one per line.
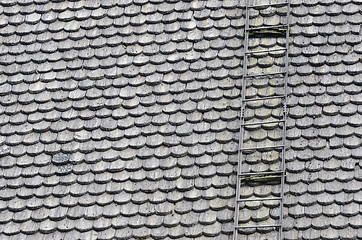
[
  {"x": 260, "y": 199},
  {"x": 266, "y": 5},
  {"x": 259, "y": 148},
  {"x": 269, "y": 50},
  {"x": 264, "y": 98},
  {"x": 245, "y": 174},
  {"x": 264, "y": 74},
  {"x": 258, "y": 226},
  {"x": 267, "y": 27},
  {"x": 262, "y": 123}
]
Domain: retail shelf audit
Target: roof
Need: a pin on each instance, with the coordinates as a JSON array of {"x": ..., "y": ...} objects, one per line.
[{"x": 120, "y": 119}]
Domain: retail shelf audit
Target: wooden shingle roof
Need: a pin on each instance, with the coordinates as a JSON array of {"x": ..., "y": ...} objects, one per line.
[{"x": 120, "y": 119}]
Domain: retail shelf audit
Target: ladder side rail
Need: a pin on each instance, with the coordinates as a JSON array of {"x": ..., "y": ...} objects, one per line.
[
  {"x": 285, "y": 117},
  {"x": 241, "y": 132}
]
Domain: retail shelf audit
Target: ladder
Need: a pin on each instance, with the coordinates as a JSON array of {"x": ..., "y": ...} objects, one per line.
[{"x": 248, "y": 176}]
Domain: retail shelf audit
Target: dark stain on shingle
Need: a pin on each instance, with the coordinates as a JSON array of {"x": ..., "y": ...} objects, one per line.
[{"x": 60, "y": 159}]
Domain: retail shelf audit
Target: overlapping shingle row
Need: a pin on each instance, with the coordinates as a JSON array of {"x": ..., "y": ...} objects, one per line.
[{"x": 120, "y": 119}]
